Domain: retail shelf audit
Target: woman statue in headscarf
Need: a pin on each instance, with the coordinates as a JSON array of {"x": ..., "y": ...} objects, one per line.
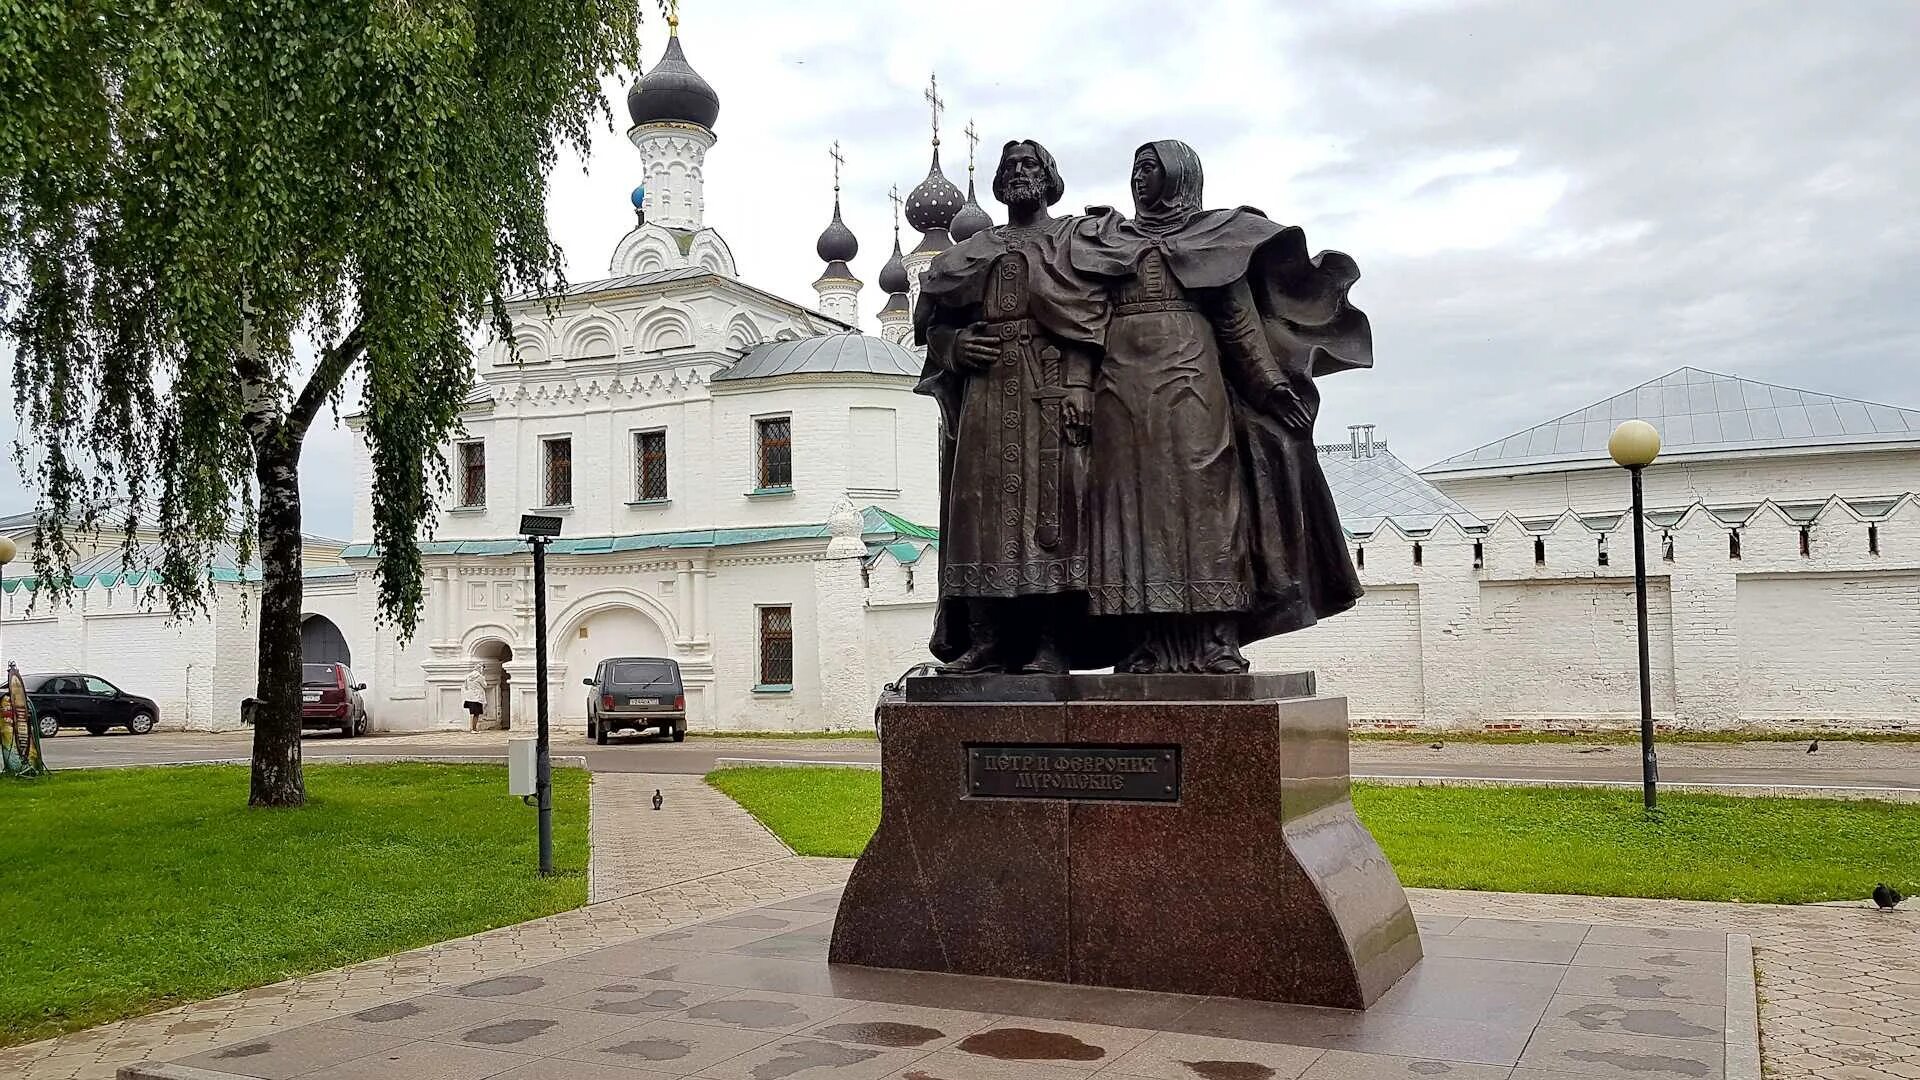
[{"x": 1210, "y": 522}]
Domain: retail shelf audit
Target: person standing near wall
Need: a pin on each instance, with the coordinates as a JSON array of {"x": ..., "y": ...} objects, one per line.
[{"x": 474, "y": 694}]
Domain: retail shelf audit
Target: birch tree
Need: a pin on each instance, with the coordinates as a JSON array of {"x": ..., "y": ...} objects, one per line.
[{"x": 190, "y": 189}]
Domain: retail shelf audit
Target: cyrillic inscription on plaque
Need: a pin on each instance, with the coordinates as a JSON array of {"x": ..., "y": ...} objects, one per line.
[{"x": 1144, "y": 773}]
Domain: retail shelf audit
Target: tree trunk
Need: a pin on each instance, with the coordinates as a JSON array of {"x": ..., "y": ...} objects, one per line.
[{"x": 276, "y": 727}]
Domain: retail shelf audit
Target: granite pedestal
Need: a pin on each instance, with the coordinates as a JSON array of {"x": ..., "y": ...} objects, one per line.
[{"x": 1072, "y": 835}]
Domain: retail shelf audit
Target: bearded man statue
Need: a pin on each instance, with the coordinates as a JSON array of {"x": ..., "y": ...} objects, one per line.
[{"x": 1012, "y": 337}]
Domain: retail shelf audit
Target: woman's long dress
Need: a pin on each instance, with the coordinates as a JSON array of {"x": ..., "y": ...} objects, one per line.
[{"x": 1169, "y": 528}]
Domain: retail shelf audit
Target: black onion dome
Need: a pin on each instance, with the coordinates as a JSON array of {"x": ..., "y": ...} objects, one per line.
[
  {"x": 837, "y": 242},
  {"x": 896, "y": 302},
  {"x": 971, "y": 218},
  {"x": 893, "y": 276},
  {"x": 933, "y": 241},
  {"x": 673, "y": 91},
  {"x": 932, "y": 204}
]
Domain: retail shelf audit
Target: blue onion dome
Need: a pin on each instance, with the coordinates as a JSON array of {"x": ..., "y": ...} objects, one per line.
[
  {"x": 674, "y": 92},
  {"x": 837, "y": 243},
  {"x": 932, "y": 204},
  {"x": 639, "y": 197},
  {"x": 971, "y": 218},
  {"x": 893, "y": 276}
]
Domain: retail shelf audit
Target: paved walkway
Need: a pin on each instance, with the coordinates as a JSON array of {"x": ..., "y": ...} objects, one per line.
[
  {"x": 1839, "y": 985},
  {"x": 696, "y": 833}
]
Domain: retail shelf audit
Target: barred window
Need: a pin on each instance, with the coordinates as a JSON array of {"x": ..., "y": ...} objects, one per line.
[
  {"x": 775, "y": 452},
  {"x": 559, "y": 454},
  {"x": 776, "y": 646},
  {"x": 473, "y": 474},
  {"x": 649, "y": 465}
]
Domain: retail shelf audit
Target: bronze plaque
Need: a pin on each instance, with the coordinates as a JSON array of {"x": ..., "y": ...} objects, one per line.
[{"x": 1136, "y": 773}]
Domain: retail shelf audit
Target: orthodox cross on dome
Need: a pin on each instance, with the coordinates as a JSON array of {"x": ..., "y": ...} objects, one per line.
[
  {"x": 670, "y": 10},
  {"x": 894, "y": 194},
  {"x": 839, "y": 159},
  {"x": 938, "y": 104},
  {"x": 973, "y": 145}
]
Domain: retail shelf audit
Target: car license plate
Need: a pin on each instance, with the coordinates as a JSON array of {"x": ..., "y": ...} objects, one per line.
[
  {"x": 310, "y": 695},
  {"x": 643, "y": 701}
]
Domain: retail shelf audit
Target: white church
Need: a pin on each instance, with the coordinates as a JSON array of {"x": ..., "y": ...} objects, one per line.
[{"x": 748, "y": 486}]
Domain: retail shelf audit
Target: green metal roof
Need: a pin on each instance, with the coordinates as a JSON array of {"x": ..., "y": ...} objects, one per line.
[
  {"x": 904, "y": 553},
  {"x": 882, "y": 521},
  {"x": 140, "y": 566},
  {"x": 877, "y": 524},
  {"x": 907, "y": 540}
]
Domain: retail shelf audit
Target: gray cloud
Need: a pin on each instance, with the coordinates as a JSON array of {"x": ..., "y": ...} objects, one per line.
[{"x": 1550, "y": 199}]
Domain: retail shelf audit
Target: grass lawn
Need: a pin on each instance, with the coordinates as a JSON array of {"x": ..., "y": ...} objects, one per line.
[
  {"x": 1553, "y": 840},
  {"x": 130, "y": 890},
  {"x": 1631, "y": 737}
]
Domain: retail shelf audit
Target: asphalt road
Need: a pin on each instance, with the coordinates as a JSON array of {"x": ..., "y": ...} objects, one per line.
[
  {"x": 1839, "y": 765},
  {"x": 626, "y": 753}
]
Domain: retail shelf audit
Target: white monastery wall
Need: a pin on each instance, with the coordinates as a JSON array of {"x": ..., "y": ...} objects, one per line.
[
  {"x": 1773, "y": 637},
  {"x": 1568, "y": 650},
  {"x": 1677, "y": 482},
  {"x": 128, "y": 639},
  {"x": 1371, "y": 654},
  {"x": 1826, "y": 647},
  {"x": 1538, "y": 633}
]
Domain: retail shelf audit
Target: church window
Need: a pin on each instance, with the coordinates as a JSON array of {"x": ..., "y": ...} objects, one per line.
[
  {"x": 559, "y": 471},
  {"x": 776, "y": 646},
  {"x": 473, "y": 473},
  {"x": 649, "y": 465},
  {"x": 774, "y": 453}
]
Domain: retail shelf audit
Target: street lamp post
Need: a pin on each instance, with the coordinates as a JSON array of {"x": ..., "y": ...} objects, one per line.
[
  {"x": 7, "y": 553},
  {"x": 540, "y": 529},
  {"x": 1633, "y": 446}
]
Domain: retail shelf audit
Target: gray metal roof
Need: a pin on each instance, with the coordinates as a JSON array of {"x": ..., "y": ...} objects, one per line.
[
  {"x": 859, "y": 353},
  {"x": 1375, "y": 486},
  {"x": 629, "y": 281},
  {"x": 1697, "y": 412}
]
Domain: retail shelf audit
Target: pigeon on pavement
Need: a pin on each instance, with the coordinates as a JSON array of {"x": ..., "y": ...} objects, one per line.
[
  {"x": 1812, "y": 746},
  {"x": 657, "y": 800},
  {"x": 1886, "y": 897}
]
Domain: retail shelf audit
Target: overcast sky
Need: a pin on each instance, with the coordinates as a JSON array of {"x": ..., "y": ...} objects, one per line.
[{"x": 1549, "y": 200}]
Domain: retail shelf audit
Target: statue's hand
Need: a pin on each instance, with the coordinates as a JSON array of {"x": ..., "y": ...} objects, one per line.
[
  {"x": 1076, "y": 415},
  {"x": 975, "y": 350},
  {"x": 1285, "y": 406}
]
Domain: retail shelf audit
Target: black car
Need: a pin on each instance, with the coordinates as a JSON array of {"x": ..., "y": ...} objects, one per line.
[
  {"x": 78, "y": 700},
  {"x": 635, "y": 693},
  {"x": 897, "y": 689}
]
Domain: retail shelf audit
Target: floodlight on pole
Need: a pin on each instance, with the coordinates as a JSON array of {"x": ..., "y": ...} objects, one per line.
[
  {"x": 1634, "y": 446},
  {"x": 540, "y": 529}
]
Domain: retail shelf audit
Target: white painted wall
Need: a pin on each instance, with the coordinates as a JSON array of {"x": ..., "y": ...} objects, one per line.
[
  {"x": 195, "y": 670},
  {"x": 1679, "y": 481},
  {"x": 1825, "y": 647},
  {"x": 1370, "y": 654},
  {"x": 1774, "y": 637}
]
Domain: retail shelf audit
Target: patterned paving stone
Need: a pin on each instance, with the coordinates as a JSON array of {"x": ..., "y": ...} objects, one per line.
[{"x": 1839, "y": 985}]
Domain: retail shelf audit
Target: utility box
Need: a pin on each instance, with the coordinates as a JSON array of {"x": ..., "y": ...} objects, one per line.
[{"x": 520, "y": 766}]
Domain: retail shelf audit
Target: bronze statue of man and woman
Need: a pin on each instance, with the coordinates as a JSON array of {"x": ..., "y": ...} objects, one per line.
[{"x": 1128, "y": 475}]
